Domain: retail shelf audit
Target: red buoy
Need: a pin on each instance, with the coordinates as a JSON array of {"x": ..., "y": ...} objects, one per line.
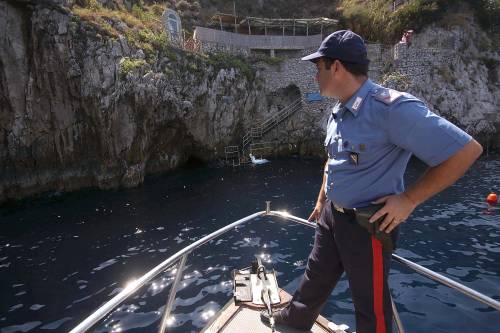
[{"x": 492, "y": 199}]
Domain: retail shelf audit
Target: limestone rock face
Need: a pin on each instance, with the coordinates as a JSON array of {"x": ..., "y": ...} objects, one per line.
[
  {"x": 70, "y": 117},
  {"x": 461, "y": 82}
]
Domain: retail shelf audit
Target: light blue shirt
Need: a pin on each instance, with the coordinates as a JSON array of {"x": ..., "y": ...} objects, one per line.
[{"x": 371, "y": 138}]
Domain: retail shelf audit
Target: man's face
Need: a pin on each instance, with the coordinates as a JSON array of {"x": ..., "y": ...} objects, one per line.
[{"x": 326, "y": 78}]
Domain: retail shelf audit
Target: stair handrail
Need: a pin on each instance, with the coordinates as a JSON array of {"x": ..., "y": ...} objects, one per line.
[
  {"x": 277, "y": 118},
  {"x": 288, "y": 109},
  {"x": 260, "y": 129}
]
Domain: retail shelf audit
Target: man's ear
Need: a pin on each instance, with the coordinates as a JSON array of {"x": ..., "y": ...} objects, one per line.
[
  {"x": 338, "y": 65},
  {"x": 335, "y": 67}
]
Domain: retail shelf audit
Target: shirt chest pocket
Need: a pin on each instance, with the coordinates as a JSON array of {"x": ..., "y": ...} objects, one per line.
[{"x": 357, "y": 152}]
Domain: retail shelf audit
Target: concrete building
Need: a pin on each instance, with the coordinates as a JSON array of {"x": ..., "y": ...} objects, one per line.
[{"x": 251, "y": 34}]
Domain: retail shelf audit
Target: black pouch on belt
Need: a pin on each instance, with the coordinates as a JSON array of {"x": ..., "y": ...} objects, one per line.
[{"x": 363, "y": 215}]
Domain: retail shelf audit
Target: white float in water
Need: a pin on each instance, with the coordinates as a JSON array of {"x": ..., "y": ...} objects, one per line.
[{"x": 258, "y": 160}]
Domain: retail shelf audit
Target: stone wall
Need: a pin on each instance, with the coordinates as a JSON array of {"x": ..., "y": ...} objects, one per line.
[
  {"x": 381, "y": 58},
  {"x": 303, "y": 131},
  {"x": 410, "y": 60},
  {"x": 212, "y": 47},
  {"x": 414, "y": 61}
]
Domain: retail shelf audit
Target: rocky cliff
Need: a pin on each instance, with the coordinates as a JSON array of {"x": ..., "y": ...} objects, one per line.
[
  {"x": 456, "y": 70},
  {"x": 79, "y": 109}
]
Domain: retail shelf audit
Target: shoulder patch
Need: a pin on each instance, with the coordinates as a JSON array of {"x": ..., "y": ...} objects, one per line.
[{"x": 386, "y": 95}]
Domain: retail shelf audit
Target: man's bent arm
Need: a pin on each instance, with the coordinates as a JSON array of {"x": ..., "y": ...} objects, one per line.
[
  {"x": 438, "y": 178},
  {"x": 398, "y": 207}
]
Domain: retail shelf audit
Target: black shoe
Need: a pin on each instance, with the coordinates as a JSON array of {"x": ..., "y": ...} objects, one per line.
[{"x": 278, "y": 317}]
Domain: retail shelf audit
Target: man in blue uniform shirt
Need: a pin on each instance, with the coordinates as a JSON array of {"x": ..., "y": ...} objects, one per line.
[{"x": 371, "y": 134}]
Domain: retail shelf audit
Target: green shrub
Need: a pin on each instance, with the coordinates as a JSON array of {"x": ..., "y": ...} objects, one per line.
[
  {"x": 168, "y": 71},
  {"x": 492, "y": 65},
  {"x": 170, "y": 54},
  {"x": 495, "y": 45},
  {"x": 94, "y": 5},
  {"x": 182, "y": 5},
  {"x": 144, "y": 27},
  {"x": 483, "y": 44},
  {"x": 273, "y": 61},
  {"x": 145, "y": 15},
  {"x": 128, "y": 65},
  {"x": 225, "y": 61},
  {"x": 110, "y": 31},
  {"x": 376, "y": 21},
  {"x": 137, "y": 11},
  {"x": 396, "y": 80},
  {"x": 157, "y": 9},
  {"x": 192, "y": 67},
  {"x": 446, "y": 74}
]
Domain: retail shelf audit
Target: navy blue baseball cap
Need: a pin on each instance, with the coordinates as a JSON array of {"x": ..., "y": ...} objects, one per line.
[{"x": 344, "y": 45}]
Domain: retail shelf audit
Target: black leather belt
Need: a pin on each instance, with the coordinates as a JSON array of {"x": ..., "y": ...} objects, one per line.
[
  {"x": 362, "y": 216},
  {"x": 343, "y": 210}
]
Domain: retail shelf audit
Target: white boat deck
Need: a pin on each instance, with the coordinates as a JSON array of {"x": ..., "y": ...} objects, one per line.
[{"x": 245, "y": 318}]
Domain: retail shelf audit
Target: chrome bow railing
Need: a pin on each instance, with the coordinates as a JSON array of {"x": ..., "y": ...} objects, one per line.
[{"x": 181, "y": 256}]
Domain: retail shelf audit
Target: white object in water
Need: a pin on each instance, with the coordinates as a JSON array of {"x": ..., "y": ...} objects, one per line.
[{"x": 258, "y": 160}]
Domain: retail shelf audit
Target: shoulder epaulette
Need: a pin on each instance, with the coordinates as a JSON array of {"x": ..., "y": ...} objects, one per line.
[{"x": 387, "y": 95}]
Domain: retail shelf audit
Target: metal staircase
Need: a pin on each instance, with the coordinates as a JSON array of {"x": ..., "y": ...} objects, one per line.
[{"x": 257, "y": 132}]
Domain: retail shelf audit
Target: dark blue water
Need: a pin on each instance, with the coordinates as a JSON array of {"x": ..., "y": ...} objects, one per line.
[{"x": 62, "y": 257}]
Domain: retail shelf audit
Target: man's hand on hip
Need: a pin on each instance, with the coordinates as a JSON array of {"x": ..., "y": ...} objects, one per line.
[{"x": 397, "y": 207}]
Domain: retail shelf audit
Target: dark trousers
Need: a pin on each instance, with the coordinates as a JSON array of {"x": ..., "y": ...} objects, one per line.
[{"x": 340, "y": 245}]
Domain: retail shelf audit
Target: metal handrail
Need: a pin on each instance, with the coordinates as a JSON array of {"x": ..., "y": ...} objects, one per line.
[
  {"x": 171, "y": 296},
  {"x": 471, "y": 293},
  {"x": 419, "y": 269},
  {"x": 294, "y": 106},
  {"x": 397, "y": 319},
  {"x": 133, "y": 286},
  {"x": 259, "y": 130},
  {"x": 231, "y": 149}
]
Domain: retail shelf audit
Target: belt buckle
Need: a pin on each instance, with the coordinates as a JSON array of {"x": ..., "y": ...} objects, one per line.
[{"x": 338, "y": 208}]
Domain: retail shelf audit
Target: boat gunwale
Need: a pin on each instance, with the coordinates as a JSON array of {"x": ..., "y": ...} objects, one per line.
[{"x": 135, "y": 285}]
